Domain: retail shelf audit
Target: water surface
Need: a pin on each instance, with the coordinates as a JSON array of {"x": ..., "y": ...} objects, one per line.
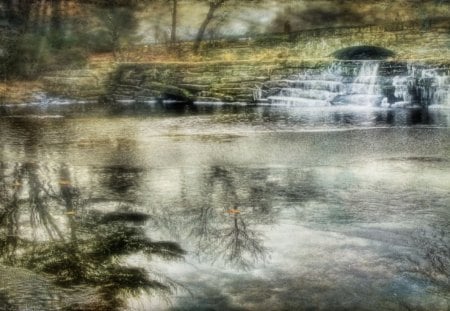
[{"x": 278, "y": 208}]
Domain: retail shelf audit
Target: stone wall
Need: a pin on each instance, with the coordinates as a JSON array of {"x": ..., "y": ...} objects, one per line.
[
  {"x": 202, "y": 81},
  {"x": 88, "y": 84},
  {"x": 207, "y": 81},
  {"x": 237, "y": 81}
]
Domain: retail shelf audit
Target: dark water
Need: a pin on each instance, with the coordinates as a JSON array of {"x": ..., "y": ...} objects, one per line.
[{"x": 277, "y": 208}]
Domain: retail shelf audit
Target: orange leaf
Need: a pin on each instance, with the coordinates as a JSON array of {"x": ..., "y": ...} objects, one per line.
[{"x": 64, "y": 182}]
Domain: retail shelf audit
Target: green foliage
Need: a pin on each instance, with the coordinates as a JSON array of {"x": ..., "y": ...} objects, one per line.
[
  {"x": 53, "y": 38},
  {"x": 97, "y": 41},
  {"x": 117, "y": 25},
  {"x": 69, "y": 58},
  {"x": 32, "y": 54},
  {"x": 25, "y": 55}
]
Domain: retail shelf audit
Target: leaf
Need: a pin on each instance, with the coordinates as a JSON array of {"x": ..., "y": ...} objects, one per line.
[{"x": 64, "y": 182}]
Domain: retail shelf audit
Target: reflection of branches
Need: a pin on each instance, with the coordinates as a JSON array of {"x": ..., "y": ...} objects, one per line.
[
  {"x": 240, "y": 245},
  {"x": 203, "y": 229},
  {"x": 90, "y": 255},
  {"x": 121, "y": 179},
  {"x": 10, "y": 213},
  {"x": 214, "y": 235},
  {"x": 25, "y": 182},
  {"x": 37, "y": 201},
  {"x": 220, "y": 210}
]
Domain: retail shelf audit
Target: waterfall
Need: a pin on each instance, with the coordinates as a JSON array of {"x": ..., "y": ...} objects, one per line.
[
  {"x": 362, "y": 83},
  {"x": 422, "y": 86},
  {"x": 365, "y": 82},
  {"x": 442, "y": 94},
  {"x": 402, "y": 85},
  {"x": 313, "y": 87},
  {"x": 364, "y": 89},
  {"x": 332, "y": 86}
]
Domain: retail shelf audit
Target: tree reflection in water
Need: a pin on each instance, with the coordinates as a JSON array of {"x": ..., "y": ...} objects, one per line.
[
  {"x": 223, "y": 213},
  {"x": 48, "y": 226},
  {"x": 233, "y": 238},
  {"x": 221, "y": 223}
]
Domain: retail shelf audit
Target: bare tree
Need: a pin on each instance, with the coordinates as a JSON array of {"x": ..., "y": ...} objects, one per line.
[
  {"x": 214, "y": 5},
  {"x": 173, "y": 31}
]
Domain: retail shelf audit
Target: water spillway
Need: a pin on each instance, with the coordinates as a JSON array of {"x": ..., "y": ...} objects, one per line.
[
  {"x": 426, "y": 86},
  {"x": 364, "y": 89},
  {"x": 310, "y": 88},
  {"x": 362, "y": 83}
]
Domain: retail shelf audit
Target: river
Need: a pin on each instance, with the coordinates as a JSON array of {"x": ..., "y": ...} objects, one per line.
[{"x": 277, "y": 208}]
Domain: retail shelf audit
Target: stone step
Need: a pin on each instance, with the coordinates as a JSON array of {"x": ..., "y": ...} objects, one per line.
[{"x": 326, "y": 85}]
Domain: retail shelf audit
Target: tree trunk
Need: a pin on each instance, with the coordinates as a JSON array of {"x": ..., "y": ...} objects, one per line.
[
  {"x": 25, "y": 12},
  {"x": 9, "y": 12},
  {"x": 213, "y": 6},
  {"x": 56, "y": 19},
  {"x": 39, "y": 15},
  {"x": 173, "y": 32}
]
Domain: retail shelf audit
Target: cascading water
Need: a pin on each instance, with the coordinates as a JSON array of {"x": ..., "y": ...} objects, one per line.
[
  {"x": 423, "y": 86},
  {"x": 364, "y": 83},
  {"x": 311, "y": 88},
  {"x": 364, "y": 89},
  {"x": 366, "y": 79},
  {"x": 442, "y": 94},
  {"x": 332, "y": 86}
]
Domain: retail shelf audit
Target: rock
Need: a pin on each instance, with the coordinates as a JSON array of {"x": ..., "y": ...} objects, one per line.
[
  {"x": 205, "y": 99},
  {"x": 194, "y": 87}
]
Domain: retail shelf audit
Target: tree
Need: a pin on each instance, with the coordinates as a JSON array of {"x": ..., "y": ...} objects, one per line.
[
  {"x": 38, "y": 35},
  {"x": 173, "y": 32},
  {"x": 214, "y": 5},
  {"x": 119, "y": 24}
]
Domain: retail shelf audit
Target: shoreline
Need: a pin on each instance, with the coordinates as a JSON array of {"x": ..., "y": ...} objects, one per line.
[
  {"x": 228, "y": 81},
  {"x": 17, "y": 92}
]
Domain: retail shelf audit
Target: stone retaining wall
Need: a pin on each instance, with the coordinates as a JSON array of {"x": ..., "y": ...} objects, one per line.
[
  {"x": 241, "y": 81},
  {"x": 215, "y": 81},
  {"x": 80, "y": 84}
]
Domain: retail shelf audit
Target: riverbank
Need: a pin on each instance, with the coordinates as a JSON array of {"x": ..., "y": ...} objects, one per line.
[{"x": 15, "y": 92}]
